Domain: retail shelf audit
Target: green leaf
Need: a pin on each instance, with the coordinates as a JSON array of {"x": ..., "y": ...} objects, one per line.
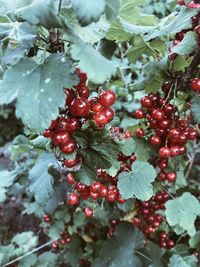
[
  {"x": 178, "y": 261},
  {"x": 48, "y": 259},
  {"x": 119, "y": 251},
  {"x": 39, "y": 104},
  {"x": 141, "y": 150},
  {"x": 25, "y": 241},
  {"x": 112, "y": 9},
  {"x": 19, "y": 40},
  {"x": 139, "y": 48},
  {"x": 116, "y": 32},
  {"x": 87, "y": 173},
  {"x": 137, "y": 183},
  {"x": 39, "y": 142},
  {"x": 187, "y": 45},
  {"x": 196, "y": 108},
  {"x": 114, "y": 168},
  {"x": 194, "y": 241},
  {"x": 28, "y": 261},
  {"x": 6, "y": 180},
  {"x": 107, "y": 48},
  {"x": 97, "y": 67},
  {"x": 39, "y": 13},
  {"x": 128, "y": 147},
  {"x": 74, "y": 252},
  {"x": 41, "y": 182},
  {"x": 88, "y": 11},
  {"x": 128, "y": 10},
  {"x": 183, "y": 211}
]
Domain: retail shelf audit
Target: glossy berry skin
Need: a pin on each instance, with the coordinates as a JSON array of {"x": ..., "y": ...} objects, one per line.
[
  {"x": 48, "y": 133},
  {"x": 80, "y": 107},
  {"x": 82, "y": 75},
  {"x": 72, "y": 199},
  {"x": 69, "y": 147},
  {"x": 69, "y": 96},
  {"x": 146, "y": 102},
  {"x": 95, "y": 187},
  {"x": 139, "y": 132},
  {"x": 197, "y": 29},
  {"x": 109, "y": 113},
  {"x": 155, "y": 140},
  {"x": 195, "y": 84},
  {"x": 175, "y": 151},
  {"x": 171, "y": 176},
  {"x": 139, "y": 114},
  {"x": 60, "y": 138},
  {"x": 83, "y": 91},
  {"x": 100, "y": 118},
  {"x": 55, "y": 245},
  {"x": 88, "y": 212},
  {"x": 73, "y": 124},
  {"x": 70, "y": 163},
  {"x": 70, "y": 178},
  {"x": 164, "y": 152},
  {"x": 107, "y": 98},
  {"x": 157, "y": 114}
]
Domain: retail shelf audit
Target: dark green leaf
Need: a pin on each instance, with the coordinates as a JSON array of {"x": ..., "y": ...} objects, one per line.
[{"x": 196, "y": 108}]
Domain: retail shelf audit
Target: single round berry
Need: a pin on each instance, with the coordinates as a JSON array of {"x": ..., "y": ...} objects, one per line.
[
  {"x": 155, "y": 140},
  {"x": 139, "y": 114},
  {"x": 139, "y": 132},
  {"x": 88, "y": 212},
  {"x": 146, "y": 102},
  {"x": 70, "y": 163},
  {"x": 175, "y": 151},
  {"x": 157, "y": 114},
  {"x": 195, "y": 84},
  {"x": 70, "y": 178},
  {"x": 69, "y": 147},
  {"x": 79, "y": 107},
  {"x": 83, "y": 91},
  {"x": 171, "y": 176},
  {"x": 72, "y": 199},
  {"x": 164, "y": 152},
  {"x": 107, "y": 98}
]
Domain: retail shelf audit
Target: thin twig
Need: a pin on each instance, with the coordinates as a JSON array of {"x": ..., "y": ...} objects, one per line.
[
  {"x": 144, "y": 256},
  {"x": 59, "y": 7},
  {"x": 29, "y": 253}
]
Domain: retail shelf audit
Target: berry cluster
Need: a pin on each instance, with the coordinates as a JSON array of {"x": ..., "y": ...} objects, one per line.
[
  {"x": 78, "y": 109},
  {"x": 106, "y": 185},
  {"x": 191, "y": 4},
  {"x": 65, "y": 237},
  {"x": 148, "y": 218}
]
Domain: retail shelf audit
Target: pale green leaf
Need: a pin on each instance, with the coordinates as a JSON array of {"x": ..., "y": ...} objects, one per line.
[
  {"x": 88, "y": 11},
  {"x": 38, "y": 88},
  {"x": 187, "y": 45},
  {"x": 196, "y": 108},
  {"x": 138, "y": 182},
  {"x": 183, "y": 211},
  {"x": 112, "y": 9}
]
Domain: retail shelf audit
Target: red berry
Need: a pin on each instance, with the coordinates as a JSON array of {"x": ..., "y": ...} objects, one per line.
[
  {"x": 157, "y": 114},
  {"x": 95, "y": 187},
  {"x": 55, "y": 245},
  {"x": 147, "y": 102},
  {"x": 103, "y": 191},
  {"x": 83, "y": 90},
  {"x": 139, "y": 132},
  {"x": 88, "y": 212},
  {"x": 170, "y": 244},
  {"x": 163, "y": 235},
  {"x": 171, "y": 176},
  {"x": 195, "y": 84},
  {"x": 47, "y": 218},
  {"x": 192, "y": 134},
  {"x": 72, "y": 199},
  {"x": 175, "y": 151},
  {"x": 155, "y": 140},
  {"x": 139, "y": 114},
  {"x": 100, "y": 118},
  {"x": 69, "y": 147},
  {"x": 197, "y": 29},
  {"x": 164, "y": 152},
  {"x": 162, "y": 164},
  {"x": 95, "y": 106},
  {"x": 174, "y": 133},
  {"x": 111, "y": 196},
  {"x": 79, "y": 107},
  {"x": 82, "y": 75},
  {"x": 48, "y": 133},
  {"x": 109, "y": 113},
  {"x": 70, "y": 178},
  {"x": 69, "y": 96},
  {"x": 107, "y": 98},
  {"x": 70, "y": 163},
  {"x": 73, "y": 125},
  {"x": 60, "y": 138}
]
